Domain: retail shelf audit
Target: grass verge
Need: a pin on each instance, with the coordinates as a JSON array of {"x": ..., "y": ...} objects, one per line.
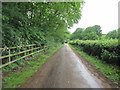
[
  {"x": 16, "y": 79},
  {"x": 110, "y": 71}
]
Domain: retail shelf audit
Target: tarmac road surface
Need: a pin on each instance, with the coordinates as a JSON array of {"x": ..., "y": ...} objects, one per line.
[{"x": 63, "y": 70}]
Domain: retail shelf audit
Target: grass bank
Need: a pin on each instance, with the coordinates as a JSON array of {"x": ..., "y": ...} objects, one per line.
[
  {"x": 110, "y": 71},
  {"x": 26, "y": 68}
]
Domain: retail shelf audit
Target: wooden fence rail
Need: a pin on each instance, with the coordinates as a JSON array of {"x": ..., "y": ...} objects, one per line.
[
  {"x": 11, "y": 55},
  {"x": 16, "y": 47}
]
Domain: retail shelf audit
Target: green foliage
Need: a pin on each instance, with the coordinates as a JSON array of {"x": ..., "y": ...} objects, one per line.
[
  {"x": 90, "y": 36},
  {"x": 109, "y": 57},
  {"x": 9, "y": 67},
  {"x": 66, "y": 36},
  {"x": 77, "y": 34},
  {"x": 119, "y": 36},
  {"x": 90, "y": 33},
  {"x": 112, "y": 35},
  {"x": 37, "y": 22},
  {"x": 103, "y": 37},
  {"x": 108, "y": 70},
  {"x": 107, "y": 50},
  {"x": 96, "y": 29},
  {"x": 15, "y": 79},
  {"x": 40, "y": 23}
]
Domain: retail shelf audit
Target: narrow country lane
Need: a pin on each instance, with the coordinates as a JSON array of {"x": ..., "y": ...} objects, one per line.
[{"x": 63, "y": 70}]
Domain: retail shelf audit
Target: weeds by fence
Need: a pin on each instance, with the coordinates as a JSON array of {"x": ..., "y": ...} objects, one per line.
[{"x": 27, "y": 50}]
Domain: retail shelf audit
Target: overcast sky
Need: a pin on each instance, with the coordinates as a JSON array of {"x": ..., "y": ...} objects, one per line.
[{"x": 99, "y": 12}]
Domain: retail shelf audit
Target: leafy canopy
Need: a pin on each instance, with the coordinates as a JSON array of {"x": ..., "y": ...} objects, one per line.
[{"x": 38, "y": 22}]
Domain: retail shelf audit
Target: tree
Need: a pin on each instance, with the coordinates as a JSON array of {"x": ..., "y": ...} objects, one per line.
[
  {"x": 90, "y": 36},
  {"x": 112, "y": 35},
  {"x": 90, "y": 33},
  {"x": 37, "y": 22},
  {"x": 77, "y": 34},
  {"x": 96, "y": 29}
]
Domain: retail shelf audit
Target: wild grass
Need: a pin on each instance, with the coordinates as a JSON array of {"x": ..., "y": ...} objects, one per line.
[
  {"x": 16, "y": 79},
  {"x": 110, "y": 71}
]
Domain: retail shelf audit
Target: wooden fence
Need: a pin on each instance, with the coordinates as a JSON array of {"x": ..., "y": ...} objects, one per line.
[{"x": 32, "y": 50}]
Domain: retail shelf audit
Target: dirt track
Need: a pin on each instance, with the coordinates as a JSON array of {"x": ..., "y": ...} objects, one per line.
[{"x": 64, "y": 70}]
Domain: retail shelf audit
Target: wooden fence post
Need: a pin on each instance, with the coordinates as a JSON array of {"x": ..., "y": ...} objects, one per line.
[
  {"x": 9, "y": 56},
  {"x": 25, "y": 52},
  {"x": 32, "y": 48},
  {"x": 29, "y": 49},
  {"x": 19, "y": 50}
]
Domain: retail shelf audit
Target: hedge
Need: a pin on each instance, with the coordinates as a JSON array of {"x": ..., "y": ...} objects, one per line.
[{"x": 106, "y": 50}]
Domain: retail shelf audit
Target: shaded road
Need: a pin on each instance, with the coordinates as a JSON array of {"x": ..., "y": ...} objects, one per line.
[{"x": 63, "y": 70}]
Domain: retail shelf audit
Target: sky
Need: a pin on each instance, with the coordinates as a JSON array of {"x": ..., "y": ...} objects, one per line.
[{"x": 99, "y": 12}]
